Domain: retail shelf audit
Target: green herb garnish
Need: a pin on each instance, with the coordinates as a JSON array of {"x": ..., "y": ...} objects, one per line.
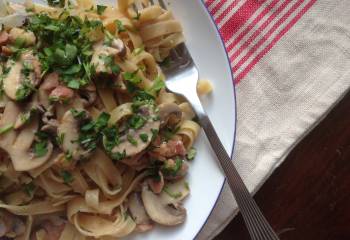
[
  {"x": 154, "y": 133},
  {"x": 172, "y": 168},
  {"x": 100, "y": 9},
  {"x": 110, "y": 138},
  {"x": 120, "y": 26},
  {"x": 67, "y": 177},
  {"x": 136, "y": 121},
  {"x": 171, "y": 194},
  {"x": 65, "y": 45},
  {"x": 6, "y": 128},
  {"x": 56, "y": 3},
  {"x": 132, "y": 140},
  {"x": 118, "y": 155},
  {"x": 191, "y": 154},
  {"x": 24, "y": 90},
  {"x": 102, "y": 121},
  {"x": 132, "y": 77},
  {"x": 138, "y": 50},
  {"x": 144, "y": 137},
  {"x": 29, "y": 189},
  {"x": 157, "y": 86},
  {"x": 40, "y": 149},
  {"x": 60, "y": 139}
]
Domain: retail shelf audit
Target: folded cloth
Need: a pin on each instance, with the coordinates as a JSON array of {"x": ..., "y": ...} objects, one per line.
[{"x": 291, "y": 64}]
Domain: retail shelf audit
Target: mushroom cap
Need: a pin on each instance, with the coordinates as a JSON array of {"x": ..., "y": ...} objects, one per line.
[
  {"x": 69, "y": 128},
  {"x": 169, "y": 113},
  {"x": 131, "y": 149},
  {"x": 101, "y": 50},
  {"x": 18, "y": 143},
  {"x": 15, "y": 78},
  {"x": 21, "y": 157},
  {"x": 137, "y": 209},
  {"x": 160, "y": 211}
]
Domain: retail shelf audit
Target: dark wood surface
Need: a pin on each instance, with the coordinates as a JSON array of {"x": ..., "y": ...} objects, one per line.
[{"x": 308, "y": 196}]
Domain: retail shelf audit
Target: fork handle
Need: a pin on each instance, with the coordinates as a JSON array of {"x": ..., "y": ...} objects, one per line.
[{"x": 258, "y": 227}]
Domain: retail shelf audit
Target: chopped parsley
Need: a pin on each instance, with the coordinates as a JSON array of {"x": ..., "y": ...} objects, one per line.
[
  {"x": 40, "y": 149},
  {"x": 29, "y": 189},
  {"x": 191, "y": 154},
  {"x": 132, "y": 140},
  {"x": 100, "y": 9},
  {"x": 118, "y": 155},
  {"x": 60, "y": 139},
  {"x": 120, "y": 26},
  {"x": 144, "y": 137},
  {"x": 136, "y": 121},
  {"x": 78, "y": 114},
  {"x": 24, "y": 90},
  {"x": 109, "y": 63},
  {"x": 132, "y": 77},
  {"x": 169, "y": 133},
  {"x": 65, "y": 45},
  {"x": 138, "y": 15},
  {"x": 91, "y": 132},
  {"x": 187, "y": 186},
  {"x": 6, "y": 128},
  {"x": 27, "y": 69},
  {"x": 171, "y": 194},
  {"x": 110, "y": 138},
  {"x": 56, "y": 3},
  {"x": 157, "y": 86},
  {"x": 138, "y": 50},
  {"x": 102, "y": 121},
  {"x": 171, "y": 168},
  {"x": 67, "y": 176},
  {"x": 154, "y": 133}
]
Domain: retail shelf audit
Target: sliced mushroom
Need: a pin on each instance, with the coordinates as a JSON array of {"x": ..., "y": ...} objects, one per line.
[
  {"x": 103, "y": 52},
  {"x": 161, "y": 212},
  {"x": 175, "y": 192},
  {"x": 68, "y": 128},
  {"x": 156, "y": 184},
  {"x": 18, "y": 143},
  {"x": 170, "y": 114},
  {"x": 22, "y": 157},
  {"x": 132, "y": 149},
  {"x": 131, "y": 143},
  {"x": 8, "y": 117},
  {"x": 28, "y": 111},
  {"x": 137, "y": 209},
  {"x": 19, "y": 82}
]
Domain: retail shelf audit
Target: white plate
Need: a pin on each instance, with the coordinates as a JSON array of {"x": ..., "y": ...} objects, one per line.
[{"x": 205, "y": 177}]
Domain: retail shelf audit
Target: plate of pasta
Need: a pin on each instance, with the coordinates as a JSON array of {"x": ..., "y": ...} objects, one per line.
[{"x": 92, "y": 144}]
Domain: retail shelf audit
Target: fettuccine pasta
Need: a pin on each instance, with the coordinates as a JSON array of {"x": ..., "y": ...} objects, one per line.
[{"x": 93, "y": 146}]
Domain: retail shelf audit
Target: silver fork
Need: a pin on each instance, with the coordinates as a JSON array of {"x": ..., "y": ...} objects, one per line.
[{"x": 182, "y": 76}]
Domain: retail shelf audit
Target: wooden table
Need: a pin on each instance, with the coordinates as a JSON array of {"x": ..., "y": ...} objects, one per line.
[{"x": 308, "y": 196}]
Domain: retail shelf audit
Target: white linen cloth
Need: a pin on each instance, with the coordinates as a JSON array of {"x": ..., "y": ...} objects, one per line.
[{"x": 285, "y": 95}]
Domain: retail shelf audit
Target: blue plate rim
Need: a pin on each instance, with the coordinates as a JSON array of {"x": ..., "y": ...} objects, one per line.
[{"x": 235, "y": 104}]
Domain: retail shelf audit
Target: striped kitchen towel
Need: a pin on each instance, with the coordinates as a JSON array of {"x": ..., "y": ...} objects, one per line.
[{"x": 291, "y": 65}]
